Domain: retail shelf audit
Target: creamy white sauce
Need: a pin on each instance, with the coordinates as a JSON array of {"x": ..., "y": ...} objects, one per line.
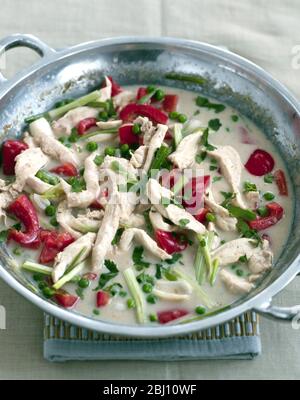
[{"x": 228, "y": 134}]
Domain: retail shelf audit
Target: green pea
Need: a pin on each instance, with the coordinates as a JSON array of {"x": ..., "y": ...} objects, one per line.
[
  {"x": 159, "y": 95},
  {"x": 98, "y": 160},
  {"x": 130, "y": 303},
  {"x": 182, "y": 118},
  {"x": 136, "y": 129},
  {"x": 147, "y": 288},
  {"x": 50, "y": 210},
  {"x": 263, "y": 211},
  {"x": 150, "y": 89},
  {"x": 200, "y": 310},
  {"x": 48, "y": 292},
  {"x": 124, "y": 149},
  {"x": 269, "y": 178},
  {"x": 151, "y": 298},
  {"x": 153, "y": 318},
  {"x": 83, "y": 283},
  {"x": 96, "y": 312},
  {"x": 103, "y": 116},
  {"x": 174, "y": 115},
  {"x": 91, "y": 146},
  {"x": 269, "y": 196},
  {"x": 53, "y": 222},
  {"x": 210, "y": 217},
  {"x": 110, "y": 151}
]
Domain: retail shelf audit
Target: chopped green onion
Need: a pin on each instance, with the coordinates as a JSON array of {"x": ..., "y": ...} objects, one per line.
[
  {"x": 81, "y": 101},
  {"x": 160, "y": 157},
  {"x": 69, "y": 276},
  {"x": 185, "y": 78},
  {"x": 136, "y": 293},
  {"x": 203, "y": 263},
  {"x": 35, "y": 267},
  {"x": 269, "y": 196},
  {"x": 177, "y": 134}
]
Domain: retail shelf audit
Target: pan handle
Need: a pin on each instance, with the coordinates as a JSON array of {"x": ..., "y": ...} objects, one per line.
[
  {"x": 286, "y": 314},
  {"x": 22, "y": 40}
]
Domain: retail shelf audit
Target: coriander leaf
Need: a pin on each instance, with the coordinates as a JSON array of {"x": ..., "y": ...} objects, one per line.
[
  {"x": 238, "y": 212},
  {"x": 111, "y": 266},
  {"x": 137, "y": 258},
  {"x": 201, "y": 157},
  {"x": 175, "y": 257},
  {"x": 204, "y": 102},
  {"x": 183, "y": 222},
  {"x": 117, "y": 237},
  {"x": 204, "y": 140},
  {"x": 216, "y": 179},
  {"x": 249, "y": 187},
  {"x": 214, "y": 124}
]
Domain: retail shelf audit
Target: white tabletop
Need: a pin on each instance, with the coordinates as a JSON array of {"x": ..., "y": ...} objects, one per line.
[{"x": 266, "y": 32}]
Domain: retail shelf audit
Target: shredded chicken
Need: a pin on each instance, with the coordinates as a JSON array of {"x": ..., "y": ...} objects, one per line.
[
  {"x": 91, "y": 177},
  {"x": 106, "y": 233},
  {"x": 138, "y": 158},
  {"x": 179, "y": 216},
  {"x": 231, "y": 167},
  {"x": 173, "y": 291},
  {"x": 147, "y": 128},
  {"x": 158, "y": 222},
  {"x": 44, "y": 137},
  {"x": 122, "y": 99},
  {"x": 71, "y": 119},
  {"x": 28, "y": 163},
  {"x": 223, "y": 219},
  {"x": 143, "y": 238},
  {"x": 154, "y": 144},
  {"x": 184, "y": 156},
  {"x": 235, "y": 284},
  {"x": 78, "y": 250}
]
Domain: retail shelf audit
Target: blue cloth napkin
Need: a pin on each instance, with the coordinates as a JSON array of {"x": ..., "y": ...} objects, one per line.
[{"x": 237, "y": 339}]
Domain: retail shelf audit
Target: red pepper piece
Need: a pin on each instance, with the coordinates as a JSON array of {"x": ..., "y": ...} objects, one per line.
[
  {"x": 141, "y": 92},
  {"x": 10, "y": 150},
  {"x": 281, "y": 182},
  {"x": 201, "y": 215},
  {"x": 170, "y": 103},
  {"x": 167, "y": 316},
  {"x": 127, "y": 136},
  {"x": 86, "y": 124},
  {"x": 169, "y": 242},
  {"x": 115, "y": 88},
  {"x": 54, "y": 242},
  {"x": 65, "y": 299},
  {"x": 131, "y": 111},
  {"x": 24, "y": 210},
  {"x": 195, "y": 190},
  {"x": 275, "y": 215},
  {"x": 260, "y": 163},
  {"x": 102, "y": 298},
  {"x": 66, "y": 169}
]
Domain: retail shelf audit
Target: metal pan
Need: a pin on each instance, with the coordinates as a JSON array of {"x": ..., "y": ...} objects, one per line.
[{"x": 228, "y": 77}]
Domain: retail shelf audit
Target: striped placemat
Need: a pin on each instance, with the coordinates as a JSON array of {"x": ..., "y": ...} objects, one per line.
[{"x": 236, "y": 339}]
